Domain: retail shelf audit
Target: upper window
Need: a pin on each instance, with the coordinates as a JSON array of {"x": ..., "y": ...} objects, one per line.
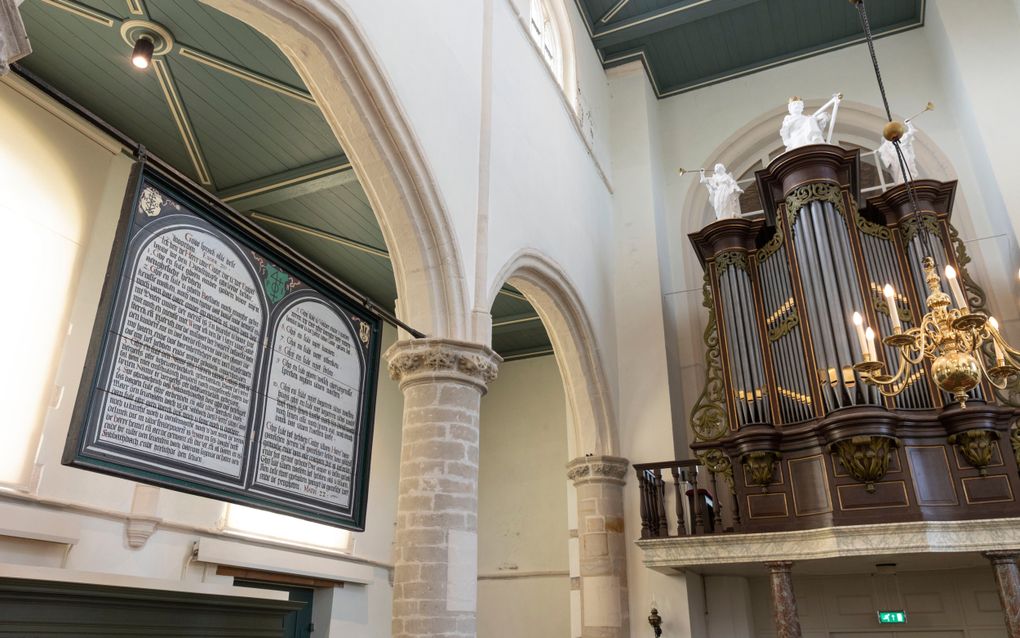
[{"x": 546, "y": 34}]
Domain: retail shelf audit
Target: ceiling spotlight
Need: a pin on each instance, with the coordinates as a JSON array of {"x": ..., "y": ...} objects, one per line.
[{"x": 141, "y": 56}]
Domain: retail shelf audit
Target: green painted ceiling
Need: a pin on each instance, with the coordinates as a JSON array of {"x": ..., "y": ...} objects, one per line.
[
  {"x": 687, "y": 44},
  {"x": 252, "y": 127}
]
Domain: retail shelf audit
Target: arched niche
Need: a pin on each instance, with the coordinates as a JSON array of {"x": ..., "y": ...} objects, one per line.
[{"x": 555, "y": 299}]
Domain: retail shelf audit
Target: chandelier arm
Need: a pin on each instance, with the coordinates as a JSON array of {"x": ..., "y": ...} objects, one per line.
[
  {"x": 989, "y": 377},
  {"x": 885, "y": 380},
  {"x": 1004, "y": 344},
  {"x": 918, "y": 345}
]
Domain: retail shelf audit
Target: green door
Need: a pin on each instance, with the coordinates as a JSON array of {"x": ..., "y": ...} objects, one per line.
[{"x": 297, "y": 624}]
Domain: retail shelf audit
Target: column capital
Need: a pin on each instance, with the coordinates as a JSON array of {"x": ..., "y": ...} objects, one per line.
[
  {"x": 779, "y": 566},
  {"x": 426, "y": 360},
  {"x": 14, "y": 43},
  {"x": 1003, "y": 556},
  {"x": 598, "y": 469}
]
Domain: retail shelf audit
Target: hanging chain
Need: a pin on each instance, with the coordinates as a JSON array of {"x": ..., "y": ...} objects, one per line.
[{"x": 908, "y": 179}]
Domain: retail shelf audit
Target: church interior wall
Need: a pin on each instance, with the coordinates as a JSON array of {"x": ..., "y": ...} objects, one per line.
[
  {"x": 644, "y": 403},
  {"x": 524, "y": 582}
]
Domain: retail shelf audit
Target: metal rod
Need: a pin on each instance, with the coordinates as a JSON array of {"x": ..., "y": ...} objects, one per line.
[
  {"x": 745, "y": 298},
  {"x": 848, "y": 295},
  {"x": 738, "y": 354},
  {"x": 811, "y": 294}
]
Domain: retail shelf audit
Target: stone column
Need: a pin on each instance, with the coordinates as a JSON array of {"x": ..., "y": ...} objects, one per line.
[
  {"x": 13, "y": 37},
  {"x": 1007, "y": 576},
  {"x": 436, "y": 564},
  {"x": 603, "y": 546},
  {"x": 784, "y": 604}
]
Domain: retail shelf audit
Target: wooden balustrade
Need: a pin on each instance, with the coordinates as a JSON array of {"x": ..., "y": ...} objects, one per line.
[{"x": 695, "y": 509}]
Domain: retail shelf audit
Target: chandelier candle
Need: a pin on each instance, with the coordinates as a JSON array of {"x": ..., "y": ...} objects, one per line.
[
  {"x": 954, "y": 286},
  {"x": 894, "y": 310},
  {"x": 1000, "y": 357},
  {"x": 859, "y": 325}
]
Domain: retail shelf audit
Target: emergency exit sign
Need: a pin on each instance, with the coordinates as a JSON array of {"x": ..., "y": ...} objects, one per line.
[{"x": 892, "y": 617}]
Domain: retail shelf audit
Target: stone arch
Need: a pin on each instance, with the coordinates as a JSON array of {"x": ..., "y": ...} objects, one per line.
[
  {"x": 333, "y": 59},
  {"x": 555, "y": 299}
]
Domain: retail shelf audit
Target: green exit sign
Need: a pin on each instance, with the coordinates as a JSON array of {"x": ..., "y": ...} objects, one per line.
[{"x": 892, "y": 617}]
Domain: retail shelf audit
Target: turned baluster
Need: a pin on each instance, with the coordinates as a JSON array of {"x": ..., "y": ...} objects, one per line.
[
  {"x": 660, "y": 498},
  {"x": 681, "y": 527},
  {"x": 699, "y": 522},
  {"x": 643, "y": 494},
  {"x": 736, "y": 511},
  {"x": 717, "y": 527}
]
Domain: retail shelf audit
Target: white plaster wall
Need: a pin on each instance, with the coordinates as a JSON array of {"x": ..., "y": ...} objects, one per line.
[
  {"x": 536, "y": 181},
  {"x": 644, "y": 408},
  {"x": 523, "y": 586}
]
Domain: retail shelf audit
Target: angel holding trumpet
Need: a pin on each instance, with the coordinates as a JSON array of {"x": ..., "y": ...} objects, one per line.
[{"x": 723, "y": 191}]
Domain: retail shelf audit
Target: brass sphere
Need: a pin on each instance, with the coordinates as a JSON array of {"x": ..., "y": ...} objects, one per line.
[
  {"x": 956, "y": 372},
  {"x": 894, "y": 130}
]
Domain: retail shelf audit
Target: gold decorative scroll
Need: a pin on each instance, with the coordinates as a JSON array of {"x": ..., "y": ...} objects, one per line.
[
  {"x": 913, "y": 225},
  {"x": 873, "y": 229},
  {"x": 734, "y": 258},
  {"x": 792, "y": 321},
  {"x": 818, "y": 191},
  {"x": 708, "y": 417}
]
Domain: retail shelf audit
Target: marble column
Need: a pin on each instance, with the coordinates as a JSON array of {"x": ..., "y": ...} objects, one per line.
[
  {"x": 1007, "y": 576},
  {"x": 13, "y": 37},
  {"x": 602, "y": 544},
  {"x": 784, "y": 603},
  {"x": 436, "y": 547}
]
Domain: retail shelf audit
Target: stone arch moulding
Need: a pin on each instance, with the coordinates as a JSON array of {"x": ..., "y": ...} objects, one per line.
[
  {"x": 337, "y": 65},
  {"x": 555, "y": 299}
]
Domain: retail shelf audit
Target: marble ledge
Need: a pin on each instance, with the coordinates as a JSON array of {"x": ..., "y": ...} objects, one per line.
[{"x": 669, "y": 554}]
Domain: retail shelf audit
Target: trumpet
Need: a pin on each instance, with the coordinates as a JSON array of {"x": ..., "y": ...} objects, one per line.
[
  {"x": 930, "y": 106},
  {"x": 686, "y": 171}
]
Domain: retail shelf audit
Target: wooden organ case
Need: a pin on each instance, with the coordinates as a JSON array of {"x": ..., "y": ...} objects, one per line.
[{"x": 784, "y": 418}]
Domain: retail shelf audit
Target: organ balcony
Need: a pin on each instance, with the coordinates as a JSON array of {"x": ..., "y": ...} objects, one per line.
[{"x": 789, "y": 441}]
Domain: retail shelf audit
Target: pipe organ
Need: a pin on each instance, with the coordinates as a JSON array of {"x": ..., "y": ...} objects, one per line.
[{"x": 799, "y": 437}]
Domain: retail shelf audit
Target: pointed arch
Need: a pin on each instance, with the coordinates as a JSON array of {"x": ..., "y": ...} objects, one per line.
[
  {"x": 554, "y": 297},
  {"x": 331, "y": 55}
]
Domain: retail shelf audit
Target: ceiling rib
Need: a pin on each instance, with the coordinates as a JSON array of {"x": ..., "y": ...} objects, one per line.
[
  {"x": 613, "y": 11},
  {"x": 513, "y": 321},
  {"x": 321, "y": 234},
  {"x": 180, "y": 113},
  {"x": 328, "y": 173},
  {"x": 136, "y": 7},
  {"x": 245, "y": 74},
  {"x": 659, "y": 20},
  {"x": 84, "y": 11}
]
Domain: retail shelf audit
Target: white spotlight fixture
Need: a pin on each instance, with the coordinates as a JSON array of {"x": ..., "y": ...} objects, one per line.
[{"x": 141, "y": 56}]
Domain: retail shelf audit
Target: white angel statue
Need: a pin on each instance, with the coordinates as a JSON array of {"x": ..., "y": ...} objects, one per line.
[
  {"x": 800, "y": 130},
  {"x": 723, "y": 192},
  {"x": 887, "y": 153}
]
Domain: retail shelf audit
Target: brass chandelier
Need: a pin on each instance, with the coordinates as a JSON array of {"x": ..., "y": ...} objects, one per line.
[{"x": 951, "y": 338}]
